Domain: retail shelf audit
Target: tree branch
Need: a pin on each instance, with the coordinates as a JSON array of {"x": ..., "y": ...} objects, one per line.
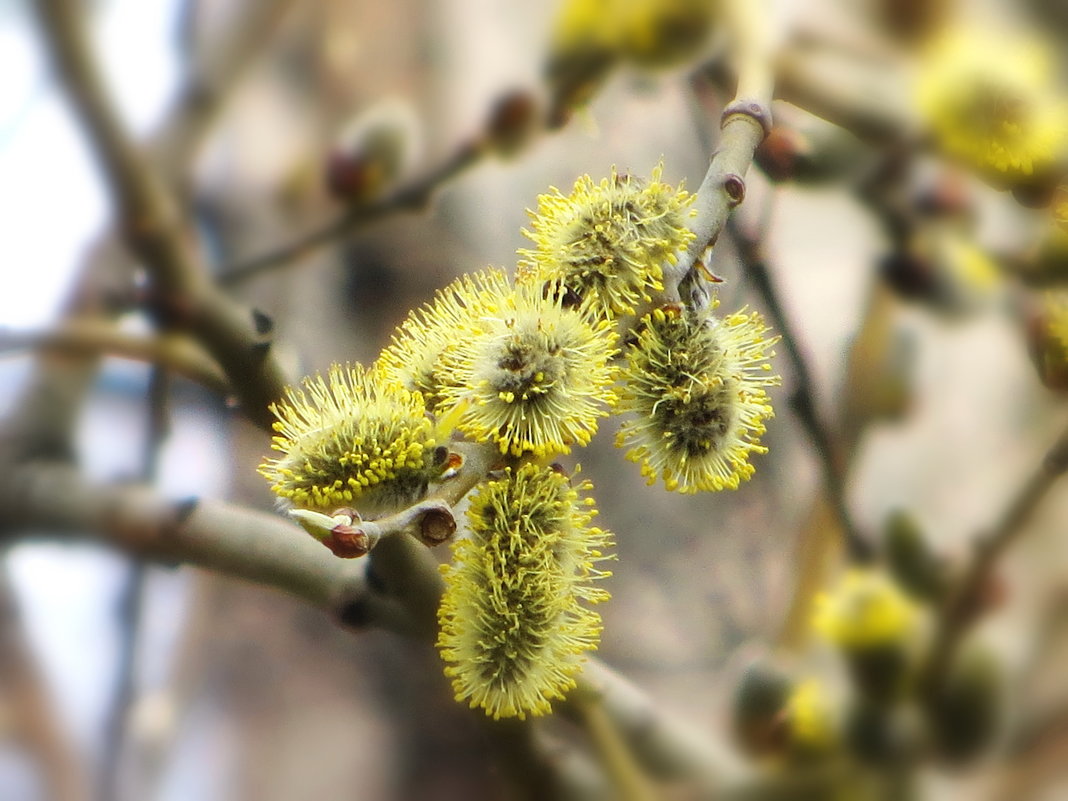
[
  {"x": 803, "y": 400},
  {"x": 965, "y": 602},
  {"x": 96, "y": 337},
  {"x": 745, "y": 122},
  {"x": 183, "y": 296},
  {"x": 53, "y": 497},
  {"x": 414, "y": 196}
]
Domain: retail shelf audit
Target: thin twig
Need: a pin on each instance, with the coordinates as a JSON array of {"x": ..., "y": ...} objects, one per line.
[
  {"x": 666, "y": 747},
  {"x": 92, "y": 337},
  {"x": 212, "y": 78},
  {"x": 411, "y": 197},
  {"x": 963, "y": 605},
  {"x": 803, "y": 400},
  {"x": 131, "y": 601},
  {"x": 745, "y": 122},
  {"x": 629, "y": 782},
  {"x": 184, "y": 296}
]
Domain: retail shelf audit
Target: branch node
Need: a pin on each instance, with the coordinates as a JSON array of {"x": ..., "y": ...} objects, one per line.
[
  {"x": 263, "y": 322},
  {"x": 436, "y": 526},
  {"x": 734, "y": 186},
  {"x": 748, "y": 108},
  {"x": 184, "y": 508}
]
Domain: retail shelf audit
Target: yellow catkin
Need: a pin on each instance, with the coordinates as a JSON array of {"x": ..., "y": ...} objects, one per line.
[
  {"x": 531, "y": 375},
  {"x": 988, "y": 100},
  {"x": 351, "y": 439},
  {"x": 866, "y": 610},
  {"x": 605, "y": 243},
  {"x": 515, "y": 621},
  {"x": 696, "y": 387},
  {"x": 416, "y": 357}
]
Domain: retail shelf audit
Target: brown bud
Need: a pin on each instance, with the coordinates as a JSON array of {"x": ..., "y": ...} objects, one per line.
[
  {"x": 436, "y": 526},
  {"x": 780, "y": 152},
  {"x": 349, "y": 542},
  {"x": 511, "y": 122}
]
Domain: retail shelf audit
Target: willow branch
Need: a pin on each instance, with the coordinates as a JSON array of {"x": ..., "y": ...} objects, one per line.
[
  {"x": 213, "y": 77},
  {"x": 399, "y": 592},
  {"x": 803, "y": 400},
  {"x": 965, "y": 602},
  {"x": 665, "y": 746},
  {"x": 98, "y": 337},
  {"x": 183, "y": 295},
  {"x": 745, "y": 122},
  {"x": 862, "y": 98},
  {"x": 412, "y": 197}
]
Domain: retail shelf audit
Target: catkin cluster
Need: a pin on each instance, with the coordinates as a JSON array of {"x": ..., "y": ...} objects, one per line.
[{"x": 528, "y": 366}]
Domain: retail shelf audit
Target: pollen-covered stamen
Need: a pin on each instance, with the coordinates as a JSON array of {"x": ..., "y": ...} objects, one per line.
[
  {"x": 696, "y": 384},
  {"x": 534, "y": 376},
  {"x": 514, "y": 623},
  {"x": 605, "y": 243},
  {"x": 417, "y": 356},
  {"x": 352, "y": 439}
]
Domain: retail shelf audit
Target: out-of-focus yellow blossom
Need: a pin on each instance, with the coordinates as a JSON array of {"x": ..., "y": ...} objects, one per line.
[
  {"x": 810, "y": 716},
  {"x": 866, "y": 610},
  {"x": 989, "y": 101},
  {"x": 662, "y": 32},
  {"x": 589, "y": 37}
]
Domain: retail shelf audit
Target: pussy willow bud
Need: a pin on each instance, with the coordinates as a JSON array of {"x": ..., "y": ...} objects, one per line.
[
  {"x": 916, "y": 568},
  {"x": 582, "y": 51},
  {"x": 1047, "y": 339},
  {"x": 605, "y": 243},
  {"x": 1000, "y": 115},
  {"x": 531, "y": 375},
  {"x": 882, "y": 735},
  {"x": 876, "y": 628},
  {"x": 658, "y": 33},
  {"x": 943, "y": 267},
  {"x": 757, "y": 709},
  {"x": 696, "y": 387},
  {"x": 804, "y": 149},
  {"x": 964, "y": 713},
  {"x": 515, "y": 618},
  {"x": 372, "y": 151},
  {"x": 1047, "y": 264},
  {"x": 341, "y": 532},
  {"x": 810, "y": 719},
  {"x": 512, "y": 122},
  {"x": 352, "y": 439}
]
